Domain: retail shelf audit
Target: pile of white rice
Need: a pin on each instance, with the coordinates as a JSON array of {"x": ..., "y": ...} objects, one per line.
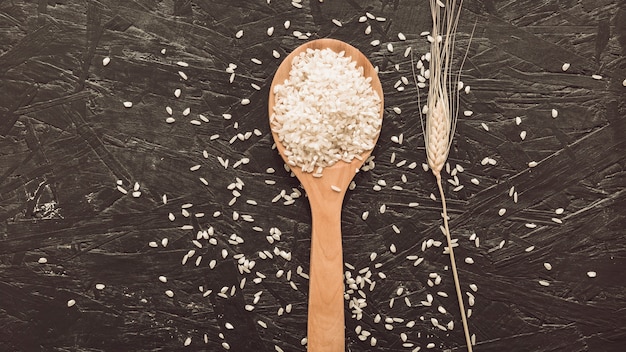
[{"x": 326, "y": 111}]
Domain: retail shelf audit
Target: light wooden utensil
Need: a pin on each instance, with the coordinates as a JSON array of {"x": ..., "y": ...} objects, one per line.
[{"x": 326, "y": 324}]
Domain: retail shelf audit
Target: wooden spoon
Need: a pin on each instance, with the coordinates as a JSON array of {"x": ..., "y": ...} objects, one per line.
[{"x": 326, "y": 324}]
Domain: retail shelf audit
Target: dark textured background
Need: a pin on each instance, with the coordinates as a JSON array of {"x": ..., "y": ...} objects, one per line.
[{"x": 65, "y": 138}]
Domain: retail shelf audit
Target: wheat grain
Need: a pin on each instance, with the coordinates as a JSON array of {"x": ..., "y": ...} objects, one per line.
[{"x": 437, "y": 134}]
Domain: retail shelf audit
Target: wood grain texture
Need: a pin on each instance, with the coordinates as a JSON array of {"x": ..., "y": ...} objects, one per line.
[
  {"x": 66, "y": 138},
  {"x": 325, "y": 320}
]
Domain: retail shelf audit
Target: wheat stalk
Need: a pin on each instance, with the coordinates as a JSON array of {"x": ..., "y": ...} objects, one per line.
[{"x": 441, "y": 115}]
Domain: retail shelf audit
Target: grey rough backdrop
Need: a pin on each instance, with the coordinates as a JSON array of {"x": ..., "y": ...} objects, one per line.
[{"x": 66, "y": 138}]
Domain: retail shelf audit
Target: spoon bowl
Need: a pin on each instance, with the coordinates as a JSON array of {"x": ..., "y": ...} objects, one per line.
[{"x": 326, "y": 324}]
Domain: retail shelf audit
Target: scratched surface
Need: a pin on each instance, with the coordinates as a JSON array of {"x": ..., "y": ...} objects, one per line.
[{"x": 66, "y": 138}]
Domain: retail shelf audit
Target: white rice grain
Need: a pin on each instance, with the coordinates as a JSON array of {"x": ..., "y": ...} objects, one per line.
[{"x": 294, "y": 126}]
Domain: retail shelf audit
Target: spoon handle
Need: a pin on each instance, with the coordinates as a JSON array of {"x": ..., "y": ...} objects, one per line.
[{"x": 326, "y": 303}]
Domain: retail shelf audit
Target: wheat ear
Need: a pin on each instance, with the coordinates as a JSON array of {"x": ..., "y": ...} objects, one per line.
[{"x": 442, "y": 103}]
